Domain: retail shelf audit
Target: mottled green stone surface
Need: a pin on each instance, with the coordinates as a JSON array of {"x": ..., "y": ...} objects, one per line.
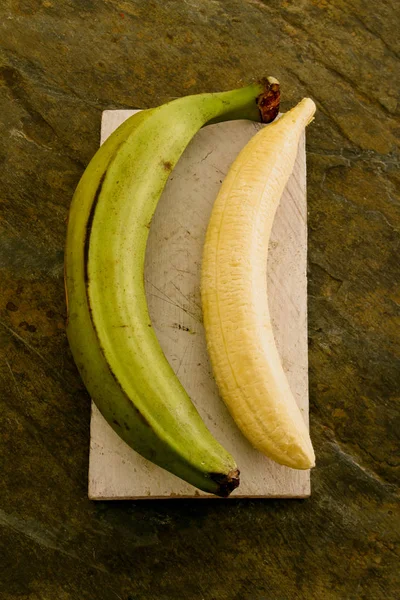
[{"x": 61, "y": 63}]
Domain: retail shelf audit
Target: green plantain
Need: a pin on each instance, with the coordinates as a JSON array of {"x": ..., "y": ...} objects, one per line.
[{"x": 109, "y": 329}]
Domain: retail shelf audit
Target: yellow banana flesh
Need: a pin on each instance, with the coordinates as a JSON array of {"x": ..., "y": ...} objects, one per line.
[{"x": 240, "y": 340}]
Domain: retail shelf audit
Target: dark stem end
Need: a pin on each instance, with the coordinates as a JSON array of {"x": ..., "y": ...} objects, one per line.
[
  {"x": 226, "y": 483},
  {"x": 269, "y": 99}
]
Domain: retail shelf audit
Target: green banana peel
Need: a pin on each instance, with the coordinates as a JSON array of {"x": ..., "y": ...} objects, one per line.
[{"x": 109, "y": 329}]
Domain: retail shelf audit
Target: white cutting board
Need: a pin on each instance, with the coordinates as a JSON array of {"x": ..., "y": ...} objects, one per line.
[{"x": 172, "y": 276}]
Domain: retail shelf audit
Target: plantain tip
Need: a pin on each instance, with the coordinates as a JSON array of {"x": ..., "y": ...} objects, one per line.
[{"x": 226, "y": 482}]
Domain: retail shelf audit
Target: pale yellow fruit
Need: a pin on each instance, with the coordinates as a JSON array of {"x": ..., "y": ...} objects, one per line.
[{"x": 240, "y": 340}]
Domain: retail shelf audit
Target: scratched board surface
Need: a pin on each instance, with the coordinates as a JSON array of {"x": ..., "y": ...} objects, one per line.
[{"x": 172, "y": 278}]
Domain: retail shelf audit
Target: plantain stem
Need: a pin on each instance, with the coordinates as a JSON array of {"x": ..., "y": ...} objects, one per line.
[
  {"x": 269, "y": 99},
  {"x": 256, "y": 102}
]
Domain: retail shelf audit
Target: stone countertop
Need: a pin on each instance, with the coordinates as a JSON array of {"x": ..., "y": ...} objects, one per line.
[{"x": 61, "y": 63}]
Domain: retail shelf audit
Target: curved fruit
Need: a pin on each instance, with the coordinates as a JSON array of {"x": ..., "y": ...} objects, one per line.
[
  {"x": 240, "y": 340},
  {"x": 109, "y": 329}
]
